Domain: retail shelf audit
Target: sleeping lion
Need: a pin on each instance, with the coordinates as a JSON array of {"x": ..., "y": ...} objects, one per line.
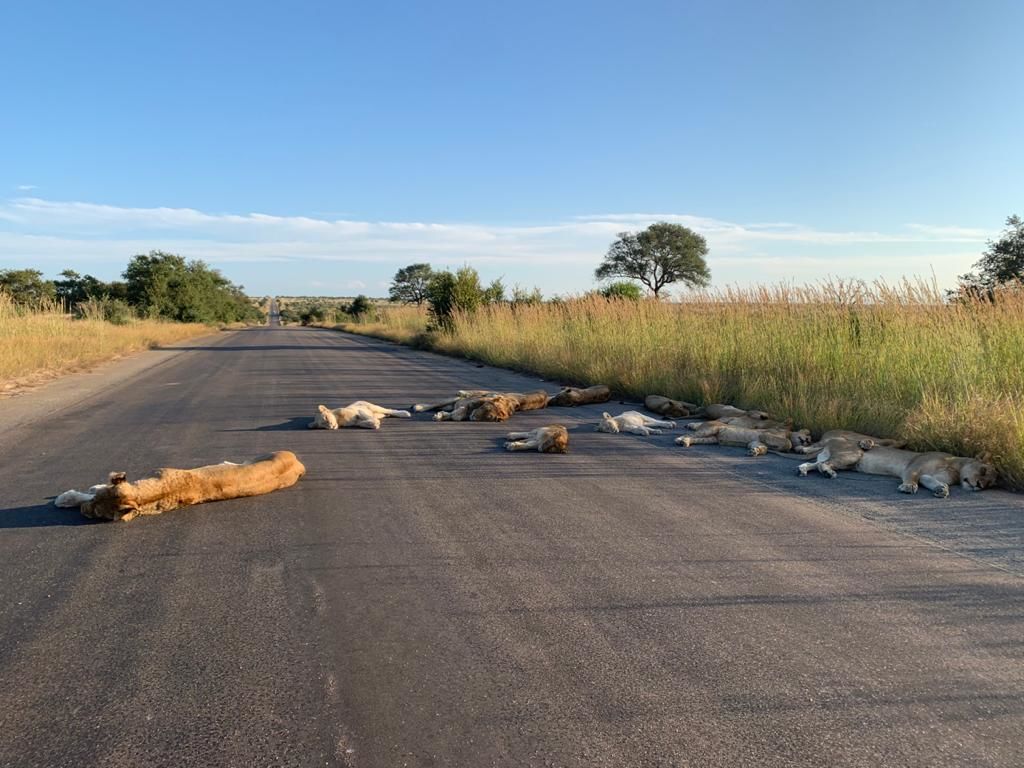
[
  {"x": 757, "y": 435},
  {"x": 484, "y": 405},
  {"x": 358, "y": 414},
  {"x": 571, "y": 396},
  {"x": 172, "y": 488},
  {"x": 553, "y": 438},
  {"x": 935, "y": 470},
  {"x": 633, "y": 421}
]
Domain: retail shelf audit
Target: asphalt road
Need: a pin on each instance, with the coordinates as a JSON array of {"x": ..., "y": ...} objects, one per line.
[{"x": 423, "y": 598}]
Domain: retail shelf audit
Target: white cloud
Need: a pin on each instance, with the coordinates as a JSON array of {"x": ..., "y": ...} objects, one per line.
[
  {"x": 26, "y": 187},
  {"x": 56, "y": 232}
]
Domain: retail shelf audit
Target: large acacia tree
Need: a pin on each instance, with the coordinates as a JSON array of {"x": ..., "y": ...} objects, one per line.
[
  {"x": 660, "y": 255},
  {"x": 409, "y": 285}
]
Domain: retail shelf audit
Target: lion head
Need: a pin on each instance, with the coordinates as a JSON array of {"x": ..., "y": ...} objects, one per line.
[
  {"x": 977, "y": 475},
  {"x": 607, "y": 423},
  {"x": 324, "y": 419},
  {"x": 111, "y": 502},
  {"x": 496, "y": 408}
]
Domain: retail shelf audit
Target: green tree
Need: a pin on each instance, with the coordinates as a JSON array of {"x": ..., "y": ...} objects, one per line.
[
  {"x": 26, "y": 286},
  {"x": 449, "y": 293},
  {"x": 74, "y": 288},
  {"x": 622, "y": 289},
  {"x": 523, "y": 297},
  {"x": 410, "y": 283},
  {"x": 360, "y": 305},
  {"x": 164, "y": 285},
  {"x": 660, "y": 255},
  {"x": 1002, "y": 262}
]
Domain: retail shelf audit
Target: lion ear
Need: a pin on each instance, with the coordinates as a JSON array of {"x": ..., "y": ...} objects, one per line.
[
  {"x": 985, "y": 457},
  {"x": 116, "y": 478},
  {"x": 606, "y": 415},
  {"x": 323, "y": 409}
]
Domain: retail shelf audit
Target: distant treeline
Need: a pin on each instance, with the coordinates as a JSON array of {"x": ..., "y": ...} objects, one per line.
[{"x": 156, "y": 285}]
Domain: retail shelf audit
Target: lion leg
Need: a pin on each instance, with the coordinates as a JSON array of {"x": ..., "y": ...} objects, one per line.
[
  {"x": 757, "y": 448},
  {"x": 72, "y": 498},
  {"x": 806, "y": 467},
  {"x": 381, "y": 411},
  {"x": 522, "y": 445},
  {"x": 936, "y": 486},
  {"x": 688, "y": 440},
  {"x": 707, "y": 430},
  {"x": 420, "y": 407},
  {"x": 649, "y": 422},
  {"x": 518, "y": 435},
  {"x": 642, "y": 430}
]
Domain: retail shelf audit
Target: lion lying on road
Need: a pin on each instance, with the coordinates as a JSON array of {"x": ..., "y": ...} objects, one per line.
[
  {"x": 633, "y": 421},
  {"x": 757, "y": 435},
  {"x": 553, "y": 438},
  {"x": 173, "y": 488},
  {"x": 484, "y": 405},
  {"x": 571, "y": 396},
  {"x": 934, "y": 470},
  {"x": 358, "y": 414},
  {"x": 664, "y": 406}
]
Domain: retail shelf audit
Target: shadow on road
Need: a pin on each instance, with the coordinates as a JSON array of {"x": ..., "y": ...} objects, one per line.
[
  {"x": 40, "y": 516},
  {"x": 296, "y": 422}
]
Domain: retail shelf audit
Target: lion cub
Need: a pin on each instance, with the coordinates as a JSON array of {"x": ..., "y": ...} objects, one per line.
[
  {"x": 553, "y": 438},
  {"x": 632, "y": 421},
  {"x": 358, "y": 414}
]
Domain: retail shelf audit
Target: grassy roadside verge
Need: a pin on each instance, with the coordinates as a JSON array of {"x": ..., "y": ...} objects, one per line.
[
  {"x": 890, "y": 361},
  {"x": 39, "y": 345}
]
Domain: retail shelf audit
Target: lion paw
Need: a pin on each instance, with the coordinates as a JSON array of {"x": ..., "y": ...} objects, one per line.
[
  {"x": 866, "y": 444},
  {"x": 670, "y": 425},
  {"x": 684, "y": 440},
  {"x": 757, "y": 449},
  {"x": 828, "y": 472},
  {"x": 942, "y": 492},
  {"x": 907, "y": 488}
]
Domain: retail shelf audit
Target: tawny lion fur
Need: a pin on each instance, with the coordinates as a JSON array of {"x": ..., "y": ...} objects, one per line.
[
  {"x": 633, "y": 421},
  {"x": 484, "y": 405},
  {"x": 664, "y": 406},
  {"x": 358, "y": 414},
  {"x": 571, "y": 396},
  {"x": 553, "y": 438},
  {"x": 173, "y": 488},
  {"x": 934, "y": 470}
]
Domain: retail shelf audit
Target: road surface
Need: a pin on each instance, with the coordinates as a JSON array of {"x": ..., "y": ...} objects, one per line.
[{"x": 423, "y": 598}]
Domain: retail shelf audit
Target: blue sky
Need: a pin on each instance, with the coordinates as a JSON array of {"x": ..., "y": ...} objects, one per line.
[{"x": 310, "y": 148}]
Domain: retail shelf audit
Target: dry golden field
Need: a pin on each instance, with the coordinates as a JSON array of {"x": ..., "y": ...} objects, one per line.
[
  {"x": 887, "y": 360},
  {"x": 42, "y": 343}
]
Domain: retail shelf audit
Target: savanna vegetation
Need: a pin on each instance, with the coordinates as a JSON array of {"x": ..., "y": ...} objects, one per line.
[
  {"x": 42, "y": 340},
  {"x": 944, "y": 370},
  {"x": 48, "y": 327}
]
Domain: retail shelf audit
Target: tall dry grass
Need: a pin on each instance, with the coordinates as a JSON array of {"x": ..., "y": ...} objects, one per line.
[
  {"x": 404, "y": 324},
  {"x": 37, "y": 343},
  {"x": 883, "y": 359}
]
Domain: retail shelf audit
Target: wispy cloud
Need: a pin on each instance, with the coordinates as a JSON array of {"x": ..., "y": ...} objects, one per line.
[
  {"x": 56, "y": 231},
  {"x": 26, "y": 187}
]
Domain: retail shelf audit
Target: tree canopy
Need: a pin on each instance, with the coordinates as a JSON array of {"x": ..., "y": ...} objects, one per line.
[
  {"x": 658, "y": 256},
  {"x": 165, "y": 285},
  {"x": 410, "y": 283},
  {"x": 1002, "y": 262}
]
